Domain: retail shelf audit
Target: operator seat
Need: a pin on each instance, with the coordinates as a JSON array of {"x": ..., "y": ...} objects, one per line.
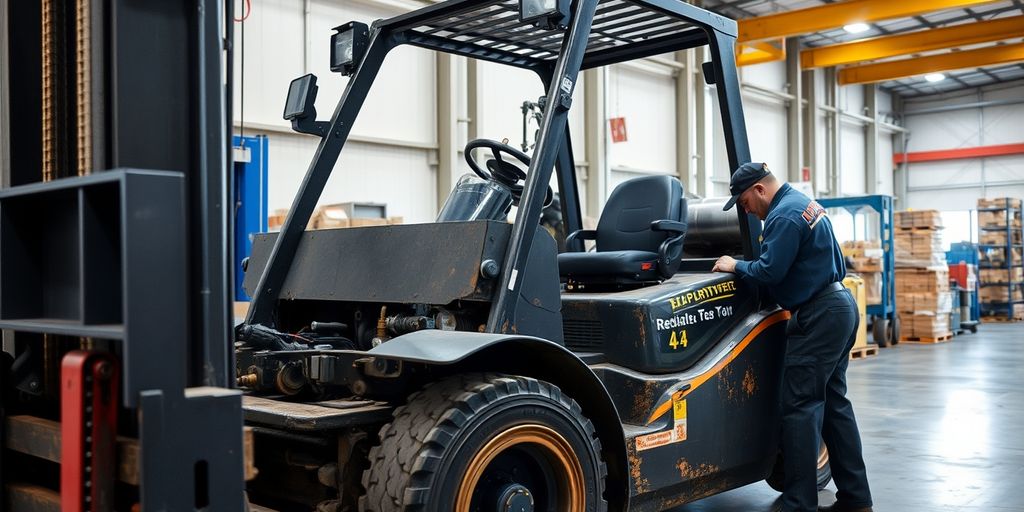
[{"x": 639, "y": 237}]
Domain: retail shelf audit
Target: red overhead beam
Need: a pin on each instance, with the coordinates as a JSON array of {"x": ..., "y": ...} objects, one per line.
[{"x": 960, "y": 153}]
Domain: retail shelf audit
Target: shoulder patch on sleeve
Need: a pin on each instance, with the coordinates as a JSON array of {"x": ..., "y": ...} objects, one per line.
[{"x": 813, "y": 214}]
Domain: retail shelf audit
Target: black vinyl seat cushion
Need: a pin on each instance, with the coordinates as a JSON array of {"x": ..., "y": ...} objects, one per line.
[
  {"x": 634, "y": 264},
  {"x": 628, "y": 246}
]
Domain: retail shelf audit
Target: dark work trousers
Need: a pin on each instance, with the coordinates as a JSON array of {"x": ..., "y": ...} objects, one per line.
[{"x": 820, "y": 335}]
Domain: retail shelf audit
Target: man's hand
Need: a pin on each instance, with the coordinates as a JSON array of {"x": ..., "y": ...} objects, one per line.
[{"x": 725, "y": 264}]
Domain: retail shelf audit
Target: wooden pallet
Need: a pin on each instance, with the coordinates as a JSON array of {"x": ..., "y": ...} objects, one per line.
[
  {"x": 919, "y": 228},
  {"x": 916, "y": 339},
  {"x": 863, "y": 352},
  {"x": 999, "y": 319}
]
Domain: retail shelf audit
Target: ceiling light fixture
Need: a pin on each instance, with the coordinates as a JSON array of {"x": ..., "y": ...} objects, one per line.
[
  {"x": 935, "y": 77},
  {"x": 856, "y": 28}
]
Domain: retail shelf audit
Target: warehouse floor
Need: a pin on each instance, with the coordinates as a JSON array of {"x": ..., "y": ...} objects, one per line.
[{"x": 942, "y": 427}]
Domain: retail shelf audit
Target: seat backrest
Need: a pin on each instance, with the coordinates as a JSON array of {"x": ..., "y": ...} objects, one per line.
[{"x": 625, "y": 223}]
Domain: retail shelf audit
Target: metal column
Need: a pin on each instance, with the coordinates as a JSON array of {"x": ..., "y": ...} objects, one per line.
[
  {"x": 595, "y": 139},
  {"x": 5, "y": 156},
  {"x": 871, "y": 140},
  {"x": 701, "y": 125},
  {"x": 794, "y": 119},
  {"x": 685, "y": 92},
  {"x": 473, "y": 99},
  {"x": 447, "y": 124},
  {"x": 811, "y": 126}
]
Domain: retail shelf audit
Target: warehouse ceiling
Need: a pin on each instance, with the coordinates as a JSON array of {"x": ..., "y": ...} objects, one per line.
[{"x": 911, "y": 86}]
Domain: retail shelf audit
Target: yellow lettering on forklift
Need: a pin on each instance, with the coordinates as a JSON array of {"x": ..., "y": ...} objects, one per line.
[
  {"x": 678, "y": 340},
  {"x": 707, "y": 293}
]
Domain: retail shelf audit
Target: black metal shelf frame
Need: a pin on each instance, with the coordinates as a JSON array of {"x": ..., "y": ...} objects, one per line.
[
  {"x": 1012, "y": 234},
  {"x": 104, "y": 256}
]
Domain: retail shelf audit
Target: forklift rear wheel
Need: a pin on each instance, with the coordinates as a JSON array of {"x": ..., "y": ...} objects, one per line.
[
  {"x": 894, "y": 330},
  {"x": 491, "y": 443},
  {"x": 777, "y": 479},
  {"x": 880, "y": 332}
]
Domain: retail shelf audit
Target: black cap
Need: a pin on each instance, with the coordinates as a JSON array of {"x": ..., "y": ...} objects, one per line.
[{"x": 745, "y": 177}]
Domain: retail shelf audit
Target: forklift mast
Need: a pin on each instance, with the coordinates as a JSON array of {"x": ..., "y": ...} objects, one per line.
[{"x": 114, "y": 257}]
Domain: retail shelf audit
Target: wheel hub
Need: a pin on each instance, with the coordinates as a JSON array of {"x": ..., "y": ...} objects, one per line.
[{"x": 515, "y": 498}]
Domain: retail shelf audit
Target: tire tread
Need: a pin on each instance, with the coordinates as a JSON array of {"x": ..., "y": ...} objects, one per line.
[{"x": 402, "y": 466}]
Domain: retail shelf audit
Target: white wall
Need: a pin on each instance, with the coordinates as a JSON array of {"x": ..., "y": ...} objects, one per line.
[
  {"x": 400, "y": 111},
  {"x": 645, "y": 97},
  {"x": 956, "y": 184}
]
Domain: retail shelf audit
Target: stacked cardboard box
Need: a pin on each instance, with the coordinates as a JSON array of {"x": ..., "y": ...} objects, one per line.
[
  {"x": 999, "y": 237},
  {"x": 999, "y": 202},
  {"x": 329, "y": 217},
  {"x": 1002, "y": 275},
  {"x": 919, "y": 239},
  {"x": 927, "y": 219},
  {"x": 999, "y": 294},
  {"x": 866, "y": 255},
  {"x": 924, "y": 301},
  {"x": 999, "y": 219},
  {"x": 996, "y": 256}
]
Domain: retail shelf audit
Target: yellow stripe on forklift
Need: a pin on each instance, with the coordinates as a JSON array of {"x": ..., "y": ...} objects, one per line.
[{"x": 769, "y": 321}]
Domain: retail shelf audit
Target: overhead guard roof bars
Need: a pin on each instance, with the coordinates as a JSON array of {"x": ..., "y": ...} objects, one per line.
[{"x": 622, "y": 30}]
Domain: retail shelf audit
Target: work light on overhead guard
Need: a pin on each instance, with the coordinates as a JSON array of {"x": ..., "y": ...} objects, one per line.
[
  {"x": 548, "y": 14},
  {"x": 348, "y": 44}
]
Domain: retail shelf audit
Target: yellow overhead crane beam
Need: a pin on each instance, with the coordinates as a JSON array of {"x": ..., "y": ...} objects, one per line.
[
  {"x": 989, "y": 56},
  {"x": 830, "y": 16},
  {"x": 824, "y": 17},
  {"x": 913, "y": 42},
  {"x": 760, "y": 51}
]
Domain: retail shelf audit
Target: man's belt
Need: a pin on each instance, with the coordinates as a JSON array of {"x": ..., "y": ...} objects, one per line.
[{"x": 829, "y": 288}]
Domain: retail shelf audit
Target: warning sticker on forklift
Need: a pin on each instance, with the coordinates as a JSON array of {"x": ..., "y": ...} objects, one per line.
[
  {"x": 676, "y": 435},
  {"x": 653, "y": 440},
  {"x": 679, "y": 418}
]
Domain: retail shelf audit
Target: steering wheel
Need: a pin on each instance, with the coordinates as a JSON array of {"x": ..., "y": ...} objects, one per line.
[
  {"x": 500, "y": 170},
  {"x": 497, "y": 168}
]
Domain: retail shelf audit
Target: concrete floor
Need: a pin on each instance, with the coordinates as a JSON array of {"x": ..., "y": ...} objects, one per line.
[{"x": 942, "y": 426}]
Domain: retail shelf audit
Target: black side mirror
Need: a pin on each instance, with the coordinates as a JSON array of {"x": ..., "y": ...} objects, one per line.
[{"x": 299, "y": 108}]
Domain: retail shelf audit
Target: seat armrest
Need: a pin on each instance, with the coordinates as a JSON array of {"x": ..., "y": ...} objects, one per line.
[
  {"x": 671, "y": 250},
  {"x": 673, "y": 226},
  {"x": 582, "y": 234}
]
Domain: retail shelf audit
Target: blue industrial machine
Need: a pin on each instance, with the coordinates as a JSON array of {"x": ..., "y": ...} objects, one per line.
[
  {"x": 965, "y": 293},
  {"x": 885, "y": 324},
  {"x": 250, "y": 200}
]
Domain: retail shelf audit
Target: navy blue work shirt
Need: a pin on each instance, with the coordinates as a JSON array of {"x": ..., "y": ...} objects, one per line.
[{"x": 799, "y": 252}]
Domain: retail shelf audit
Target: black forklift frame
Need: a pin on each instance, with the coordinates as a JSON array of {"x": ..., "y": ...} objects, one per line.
[{"x": 601, "y": 33}]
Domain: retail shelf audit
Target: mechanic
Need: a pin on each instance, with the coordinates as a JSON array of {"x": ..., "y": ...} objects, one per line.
[{"x": 803, "y": 269}]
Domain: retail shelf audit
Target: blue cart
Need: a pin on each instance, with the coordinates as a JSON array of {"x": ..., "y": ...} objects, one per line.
[{"x": 885, "y": 324}]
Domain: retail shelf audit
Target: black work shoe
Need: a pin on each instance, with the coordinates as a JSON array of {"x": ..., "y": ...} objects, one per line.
[{"x": 839, "y": 507}]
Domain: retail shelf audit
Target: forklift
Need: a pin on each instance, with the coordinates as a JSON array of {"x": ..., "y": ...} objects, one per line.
[{"x": 466, "y": 364}]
